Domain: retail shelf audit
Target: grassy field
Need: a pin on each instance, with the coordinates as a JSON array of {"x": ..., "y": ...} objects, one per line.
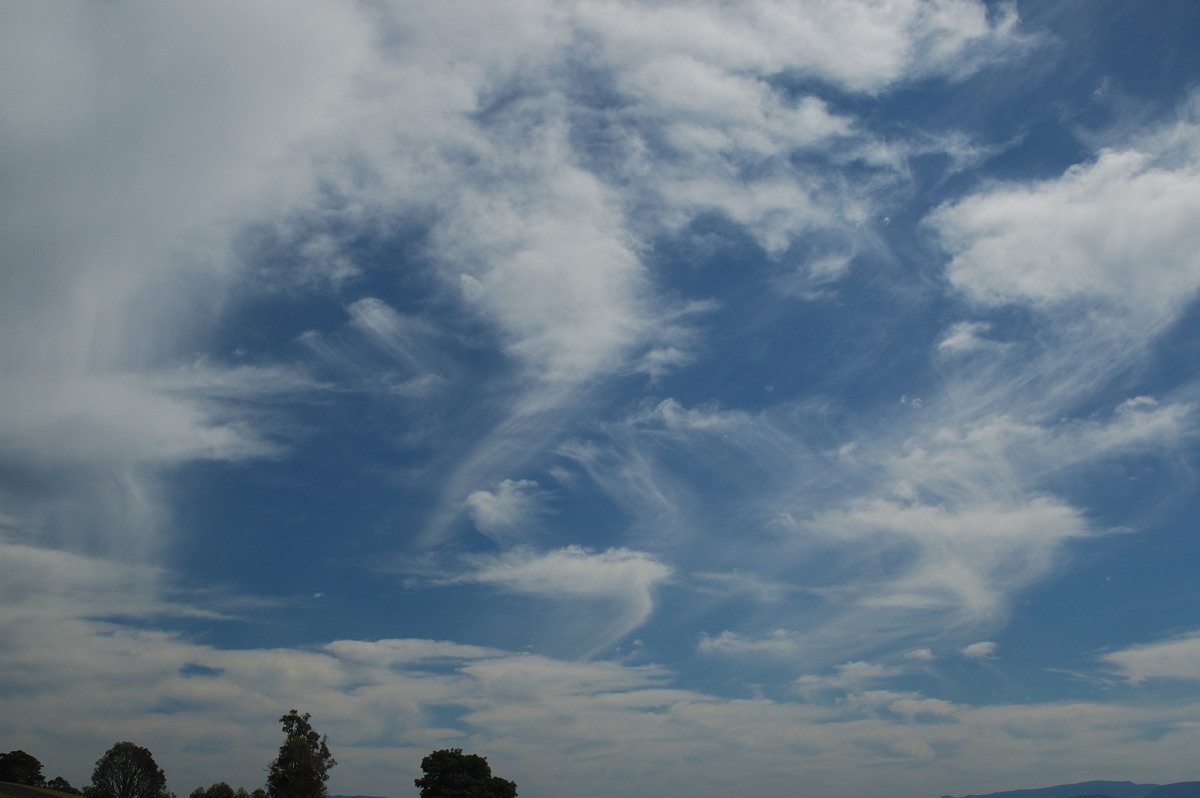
[{"x": 21, "y": 791}]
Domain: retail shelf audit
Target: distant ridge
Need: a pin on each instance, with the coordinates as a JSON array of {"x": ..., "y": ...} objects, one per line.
[
  {"x": 1107, "y": 789},
  {"x": 1182, "y": 789}
]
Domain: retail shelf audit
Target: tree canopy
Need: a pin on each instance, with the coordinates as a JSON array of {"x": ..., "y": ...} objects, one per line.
[
  {"x": 59, "y": 784},
  {"x": 127, "y": 771},
  {"x": 18, "y": 767},
  {"x": 302, "y": 767},
  {"x": 219, "y": 790},
  {"x": 449, "y": 773}
]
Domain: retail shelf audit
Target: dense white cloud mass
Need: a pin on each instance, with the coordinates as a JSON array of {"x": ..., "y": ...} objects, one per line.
[
  {"x": 658, "y": 398},
  {"x": 1118, "y": 230}
]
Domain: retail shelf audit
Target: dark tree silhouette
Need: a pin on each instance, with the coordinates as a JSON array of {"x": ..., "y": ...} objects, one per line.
[
  {"x": 127, "y": 771},
  {"x": 218, "y": 790},
  {"x": 18, "y": 767},
  {"x": 302, "y": 767},
  {"x": 449, "y": 773},
  {"x": 59, "y": 784}
]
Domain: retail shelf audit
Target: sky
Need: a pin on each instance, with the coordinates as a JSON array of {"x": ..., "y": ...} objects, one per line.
[{"x": 657, "y": 398}]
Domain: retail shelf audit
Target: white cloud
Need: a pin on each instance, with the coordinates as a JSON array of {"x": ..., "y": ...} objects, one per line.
[
  {"x": 130, "y": 157},
  {"x": 985, "y": 649},
  {"x": 862, "y": 46},
  {"x": 851, "y": 677},
  {"x": 624, "y": 579},
  {"x": 540, "y": 242},
  {"x": 1115, "y": 230},
  {"x": 965, "y": 336},
  {"x": 559, "y": 275},
  {"x": 118, "y": 418},
  {"x": 967, "y": 562},
  {"x": 505, "y": 512},
  {"x": 400, "y": 335},
  {"x": 925, "y": 707},
  {"x": 1176, "y": 658},
  {"x": 780, "y": 643},
  {"x": 141, "y": 140},
  {"x": 383, "y": 702},
  {"x": 579, "y": 572},
  {"x": 546, "y": 249}
]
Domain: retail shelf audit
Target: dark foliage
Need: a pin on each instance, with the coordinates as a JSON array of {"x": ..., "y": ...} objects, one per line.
[
  {"x": 127, "y": 771},
  {"x": 449, "y": 773},
  {"x": 218, "y": 790},
  {"x": 302, "y": 767},
  {"x": 59, "y": 784},
  {"x": 18, "y": 767}
]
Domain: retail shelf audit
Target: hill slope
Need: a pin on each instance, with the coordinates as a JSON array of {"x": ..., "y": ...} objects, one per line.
[
  {"x": 8, "y": 790},
  {"x": 1111, "y": 789},
  {"x": 1182, "y": 789}
]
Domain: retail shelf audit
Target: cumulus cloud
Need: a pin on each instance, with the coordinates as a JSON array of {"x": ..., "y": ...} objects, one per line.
[
  {"x": 780, "y": 643},
  {"x": 967, "y": 561},
  {"x": 501, "y": 513},
  {"x": 849, "y": 676},
  {"x": 545, "y": 249},
  {"x": 128, "y": 163},
  {"x": 543, "y": 243},
  {"x": 576, "y": 571},
  {"x": 625, "y": 579},
  {"x": 1176, "y": 658},
  {"x": 378, "y": 699},
  {"x": 541, "y": 148},
  {"x": 934, "y": 527},
  {"x": 859, "y": 45},
  {"x": 569, "y": 293},
  {"x": 1114, "y": 230},
  {"x": 985, "y": 649}
]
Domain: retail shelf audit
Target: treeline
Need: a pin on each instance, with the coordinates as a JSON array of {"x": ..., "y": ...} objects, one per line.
[
  {"x": 18, "y": 767},
  {"x": 129, "y": 771},
  {"x": 299, "y": 771}
]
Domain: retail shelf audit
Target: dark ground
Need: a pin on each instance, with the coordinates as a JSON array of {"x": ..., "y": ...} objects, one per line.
[{"x": 21, "y": 791}]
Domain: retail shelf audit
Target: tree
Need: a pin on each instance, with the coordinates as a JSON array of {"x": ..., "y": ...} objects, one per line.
[
  {"x": 302, "y": 767},
  {"x": 127, "y": 771},
  {"x": 449, "y": 773},
  {"x": 18, "y": 767},
  {"x": 218, "y": 790},
  {"x": 59, "y": 784}
]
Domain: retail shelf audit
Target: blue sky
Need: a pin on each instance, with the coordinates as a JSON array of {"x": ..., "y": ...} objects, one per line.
[{"x": 659, "y": 398}]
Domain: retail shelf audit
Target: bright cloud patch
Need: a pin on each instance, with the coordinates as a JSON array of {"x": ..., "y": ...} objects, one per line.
[
  {"x": 574, "y": 571},
  {"x": 779, "y": 643},
  {"x": 982, "y": 650},
  {"x": 1168, "y": 659},
  {"x": 502, "y": 512},
  {"x": 965, "y": 562},
  {"x": 1117, "y": 230},
  {"x": 626, "y": 580}
]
